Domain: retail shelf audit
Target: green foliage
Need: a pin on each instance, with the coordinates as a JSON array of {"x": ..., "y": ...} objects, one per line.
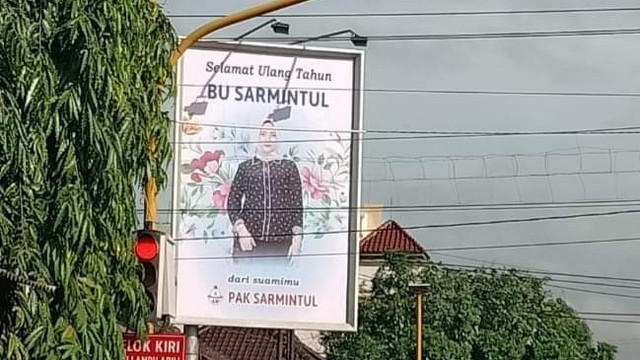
[
  {"x": 82, "y": 84},
  {"x": 484, "y": 314}
]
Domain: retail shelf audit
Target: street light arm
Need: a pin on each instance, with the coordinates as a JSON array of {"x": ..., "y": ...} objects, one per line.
[
  {"x": 217, "y": 24},
  {"x": 254, "y": 29},
  {"x": 348, "y": 31}
]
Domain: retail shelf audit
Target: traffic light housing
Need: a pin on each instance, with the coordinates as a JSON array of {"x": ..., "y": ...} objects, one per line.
[{"x": 147, "y": 250}]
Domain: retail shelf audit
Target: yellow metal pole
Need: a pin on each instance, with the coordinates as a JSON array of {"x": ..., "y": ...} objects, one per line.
[
  {"x": 150, "y": 187},
  {"x": 419, "y": 327},
  {"x": 231, "y": 19}
]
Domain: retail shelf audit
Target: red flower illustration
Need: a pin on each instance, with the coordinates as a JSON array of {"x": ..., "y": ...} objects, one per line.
[
  {"x": 209, "y": 162},
  {"x": 196, "y": 177},
  {"x": 312, "y": 183}
]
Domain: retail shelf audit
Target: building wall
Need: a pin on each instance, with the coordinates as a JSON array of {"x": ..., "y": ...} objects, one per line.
[
  {"x": 370, "y": 219},
  {"x": 367, "y": 272}
]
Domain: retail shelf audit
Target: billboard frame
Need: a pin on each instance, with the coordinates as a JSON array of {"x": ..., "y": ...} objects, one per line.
[{"x": 356, "y": 56}]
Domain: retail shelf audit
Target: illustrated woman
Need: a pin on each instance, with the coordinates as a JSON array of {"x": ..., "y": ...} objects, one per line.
[{"x": 265, "y": 202}]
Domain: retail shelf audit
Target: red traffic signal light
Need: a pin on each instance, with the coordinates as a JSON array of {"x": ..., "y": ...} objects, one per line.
[
  {"x": 147, "y": 247},
  {"x": 147, "y": 250}
]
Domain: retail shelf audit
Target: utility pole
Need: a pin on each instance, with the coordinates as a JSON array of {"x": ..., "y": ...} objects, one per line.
[
  {"x": 150, "y": 187},
  {"x": 419, "y": 289},
  {"x": 419, "y": 327}
]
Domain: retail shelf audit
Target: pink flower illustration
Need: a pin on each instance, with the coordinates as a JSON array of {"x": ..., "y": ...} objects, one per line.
[
  {"x": 209, "y": 162},
  {"x": 196, "y": 177},
  {"x": 220, "y": 196},
  {"x": 312, "y": 183}
]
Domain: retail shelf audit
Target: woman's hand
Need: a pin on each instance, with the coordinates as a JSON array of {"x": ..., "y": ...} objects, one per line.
[
  {"x": 245, "y": 238},
  {"x": 296, "y": 247}
]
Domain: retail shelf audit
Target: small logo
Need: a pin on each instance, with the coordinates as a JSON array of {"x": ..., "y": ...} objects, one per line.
[{"x": 214, "y": 296}]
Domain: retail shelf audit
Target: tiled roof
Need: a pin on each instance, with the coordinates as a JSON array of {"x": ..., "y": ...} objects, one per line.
[
  {"x": 235, "y": 343},
  {"x": 390, "y": 237}
]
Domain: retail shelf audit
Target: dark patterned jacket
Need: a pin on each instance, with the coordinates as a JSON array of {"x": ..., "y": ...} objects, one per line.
[{"x": 267, "y": 197}]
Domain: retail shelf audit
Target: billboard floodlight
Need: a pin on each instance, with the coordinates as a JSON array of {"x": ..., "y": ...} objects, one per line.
[{"x": 356, "y": 40}]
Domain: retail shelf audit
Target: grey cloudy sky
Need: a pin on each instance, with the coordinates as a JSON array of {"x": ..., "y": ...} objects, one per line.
[{"x": 576, "y": 64}]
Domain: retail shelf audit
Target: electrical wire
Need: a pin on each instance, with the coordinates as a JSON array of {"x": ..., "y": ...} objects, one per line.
[
  {"x": 594, "y": 292},
  {"x": 462, "y": 36},
  {"x": 506, "y": 176},
  {"x": 456, "y": 267},
  {"x": 582, "y": 312},
  {"x": 446, "y": 225},
  {"x": 451, "y": 91},
  {"x": 432, "y": 207},
  {"x": 604, "y": 313},
  {"x": 390, "y": 138},
  {"x": 545, "y": 272},
  {"x": 570, "y": 151},
  {"x": 529, "y": 269},
  {"x": 422, "y": 14},
  {"x": 396, "y": 138},
  {"x": 495, "y": 247},
  {"x": 467, "y": 248},
  {"x": 611, "y": 320},
  {"x": 574, "y": 151},
  {"x": 535, "y": 245},
  {"x": 613, "y": 130}
]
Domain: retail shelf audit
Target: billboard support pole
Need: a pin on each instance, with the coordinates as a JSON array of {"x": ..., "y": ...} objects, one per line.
[
  {"x": 286, "y": 345},
  {"x": 192, "y": 342},
  {"x": 150, "y": 187},
  {"x": 292, "y": 349}
]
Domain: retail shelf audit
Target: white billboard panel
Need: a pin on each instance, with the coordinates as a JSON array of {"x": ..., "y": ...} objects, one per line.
[{"x": 267, "y": 186}]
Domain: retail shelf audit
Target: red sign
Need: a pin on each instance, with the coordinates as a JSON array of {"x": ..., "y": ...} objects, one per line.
[{"x": 155, "y": 347}]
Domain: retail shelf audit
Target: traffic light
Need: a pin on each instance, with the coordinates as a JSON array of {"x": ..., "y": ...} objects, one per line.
[{"x": 147, "y": 250}]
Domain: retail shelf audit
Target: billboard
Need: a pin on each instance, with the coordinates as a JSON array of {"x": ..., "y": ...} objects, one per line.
[{"x": 267, "y": 186}]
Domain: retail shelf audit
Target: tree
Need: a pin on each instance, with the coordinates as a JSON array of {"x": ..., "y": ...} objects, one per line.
[
  {"x": 82, "y": 85},
  {"x": 485, "y": 314}
]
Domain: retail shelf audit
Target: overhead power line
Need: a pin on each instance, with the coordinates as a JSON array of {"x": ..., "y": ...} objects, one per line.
[
  {"x": 549, "y": 273},
  {"x": 633, "y": 285},
  {"x": 564, "y": 152},
  {"x": 591, "y": 283},
  {"x": 420, "y": 14},
  {"x": 535, "y": 245},
  {"x": 425, "y": 132},
  {"x": 605, "y": 313},
  {"x": 506, "y": 176},
  {"x": 476, "y": 247},
  {"x": 447, "y": 265},
  {"x": 446, "y": 225},
  {"x": 595, "y": 292},
  {"x": 612, "y": 320},
  {"x": 435, "y": 207},
  {"x": 555, "y": 280},
  {"x": 450, "y": 91},
  {"x": 463, "y": 36},
  {"x": 393, "y": 138},
  {"x": 455, "y": 267},
  {"x": 506, "y": 133}
]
